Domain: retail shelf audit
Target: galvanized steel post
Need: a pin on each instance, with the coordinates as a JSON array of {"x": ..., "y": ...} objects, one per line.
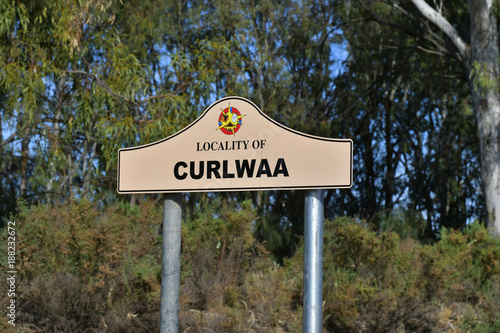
[
  {"x": 171, "y": 263},
  {"x": 313, "y": 261}
]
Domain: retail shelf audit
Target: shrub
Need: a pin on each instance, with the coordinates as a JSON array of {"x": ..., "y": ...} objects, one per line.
[
  {"x": 89, "y": 269},
  {"x": 371, "y": 283},
  {"x": 376, "y": 282},
  {"x": 230, "y": 284},
  {"x": 84, "y": 269}
]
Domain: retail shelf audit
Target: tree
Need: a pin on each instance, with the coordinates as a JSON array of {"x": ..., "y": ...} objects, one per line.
[
  {"x": 80, "y": 79},
  {"x": 475, "y": 45},
  {"x": 481, "y": 61},
  {"x": 413, "y": 130}
]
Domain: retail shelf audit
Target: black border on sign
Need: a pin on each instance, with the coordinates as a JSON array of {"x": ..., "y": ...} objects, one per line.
[{"x": 218, "y": 189}]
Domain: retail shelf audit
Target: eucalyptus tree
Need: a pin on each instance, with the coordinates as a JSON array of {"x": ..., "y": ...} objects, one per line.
[
  {"x": 291, "y": 72},
  {"x": 80, "y": 79},
  {"x": 62, "y": 62},
  {"x": 469, "y": 36},
  {"x": 279, "y": 55},
  {"x": 480, "y": 56},
  {"x": 408, "y": 111}
]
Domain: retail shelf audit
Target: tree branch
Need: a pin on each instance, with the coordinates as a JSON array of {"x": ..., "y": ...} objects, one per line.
[
  {"x": 423, "y": 30},
  {"x": 432, "y": 15},
  {"x": 123, "y": 98},
  {"x": 10, "y": 139},
  {"x": 102, "y": 85}
]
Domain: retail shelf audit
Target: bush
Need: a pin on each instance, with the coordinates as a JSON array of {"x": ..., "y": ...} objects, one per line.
[
  {"x": 376, "y": 282},
  {"x": 230, "y": 284},
  {"x": 84, "y": 269}
]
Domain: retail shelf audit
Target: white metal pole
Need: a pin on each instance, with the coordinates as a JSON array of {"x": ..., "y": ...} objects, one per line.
[
  {"x": 171, "y": 263},
  {"x": 313, "y": 261}
]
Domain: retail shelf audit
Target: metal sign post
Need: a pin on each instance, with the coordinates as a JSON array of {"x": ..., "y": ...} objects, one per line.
[
  {"x": 171, "y": 263},
  {"x": 313, "y": 261}
]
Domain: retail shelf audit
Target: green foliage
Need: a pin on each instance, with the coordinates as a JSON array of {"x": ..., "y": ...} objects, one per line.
[
  {"x": 379, "y": 283},
  {"x": 81, "y": 79},
  {"x": 76, "y": 86},
  {"x": 467, "y": 264},
  {"x": 406, "y": 223},
  {"x": 471, "y": 323},
  {"x": 218, "y": 223},
  {"x": 367, "y": 271},
  {"x": 85, "y": 264}
]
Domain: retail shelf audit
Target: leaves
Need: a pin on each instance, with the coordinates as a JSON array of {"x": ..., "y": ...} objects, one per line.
[{"x": 81, "y": 79}]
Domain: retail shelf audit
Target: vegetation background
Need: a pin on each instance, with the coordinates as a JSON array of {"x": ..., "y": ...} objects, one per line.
[{"x": 405, "y": 248}]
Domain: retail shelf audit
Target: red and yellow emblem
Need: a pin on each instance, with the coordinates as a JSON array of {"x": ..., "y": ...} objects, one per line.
[{"x": 230, "y": 120}]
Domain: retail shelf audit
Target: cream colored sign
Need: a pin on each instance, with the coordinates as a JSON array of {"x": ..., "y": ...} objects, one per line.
[{"x": 233, "y": 146}]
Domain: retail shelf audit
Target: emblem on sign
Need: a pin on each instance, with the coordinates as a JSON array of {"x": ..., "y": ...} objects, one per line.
[{"x": 229, "y": 120}]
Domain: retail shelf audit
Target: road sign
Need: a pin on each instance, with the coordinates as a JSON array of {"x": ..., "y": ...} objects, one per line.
[{"x": 234, "y": 146}]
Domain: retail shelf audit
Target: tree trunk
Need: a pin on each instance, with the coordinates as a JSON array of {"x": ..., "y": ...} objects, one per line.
[
  {"x": 486, "y": 102},
  {"x": 24, "y": 162}
]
